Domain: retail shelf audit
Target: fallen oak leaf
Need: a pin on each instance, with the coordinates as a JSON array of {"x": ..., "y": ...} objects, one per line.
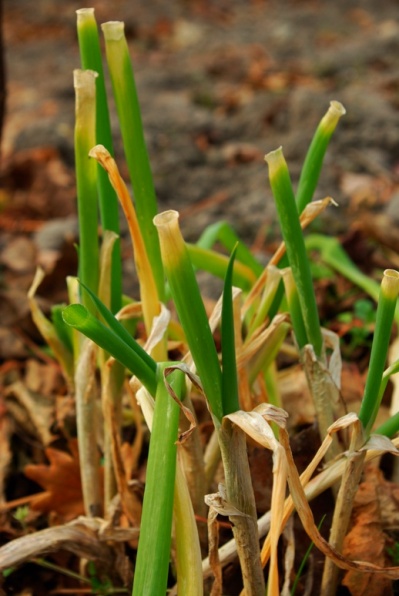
[
  {"x": 61, "y": 481},
  {"x": 366, "y": 540}
]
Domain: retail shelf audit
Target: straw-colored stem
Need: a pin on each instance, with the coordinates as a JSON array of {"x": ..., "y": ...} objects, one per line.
[
  {"x": 313, "y": 488},
  {"x": 322, "y": 390},
  {"x": 240, "y": 495},
  {"x": 86, "y": 418},
  {"x": 86, "y": 179},
  {"x": 342, "y": 514},
  {"x": 211, "y": 459},
  {"x": 188, "y": 550}
]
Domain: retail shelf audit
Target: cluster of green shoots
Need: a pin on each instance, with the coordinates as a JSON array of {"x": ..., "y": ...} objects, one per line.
[{"x": 96, "y": 337}]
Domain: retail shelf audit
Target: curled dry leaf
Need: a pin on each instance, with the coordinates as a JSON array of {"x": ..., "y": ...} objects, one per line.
[
  {"x": 306, "y": 516},
  {"x": 85, "y": 537},
  {"x": 218, "y": 501},
  {"x": 186, "y": 411},
  {"x": 63, "y": 355},
  {"x": 311, "y": 211},
  {"x": 159, "y": 326}
]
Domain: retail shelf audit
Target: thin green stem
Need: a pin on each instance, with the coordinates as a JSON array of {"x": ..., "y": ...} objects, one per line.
[
  {"x": 153, "y": 555},
  {"x": 314, "y": 158},
  {"x": 90, "y": 55},
  {"x": 216, "y": 263},
  {"x": 229, "y": 363},
  {"x": 382, "y": 334},
  {"x": 222, "y": 232},
  {"x": 334, "y": 255},
  {"x": 390, "y": 427},
  {"x": 294, "y": 306},
  {"x": 77, "y": 316},
  {"x": 292, "y": 233},
  {"x": 190, "y": 307},
  {"x": 119, "y": 329},
  {"x": 127, "y": 104}
]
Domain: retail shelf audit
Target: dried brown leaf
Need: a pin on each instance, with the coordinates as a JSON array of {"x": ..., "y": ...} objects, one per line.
[
  {"x": 61, "y": 481},
  {"x": 366, "y": 540}
]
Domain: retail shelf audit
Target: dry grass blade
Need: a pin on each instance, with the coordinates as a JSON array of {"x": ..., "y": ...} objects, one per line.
[
  {"x": 131, "y": 505},
  {"x": 81, "y": 537},
  {"x": 148, "y": 290},
  {"x": 48, "y": 331},
  {"x": 306, "y": 516},
  {"x": 214, "y": 561},
  {"x": 312, "y": 488}
]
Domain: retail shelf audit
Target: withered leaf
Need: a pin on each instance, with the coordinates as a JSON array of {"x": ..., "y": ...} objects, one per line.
[
  {"x": 366, "y": 540},
  {"x": 61, "y": 481}
]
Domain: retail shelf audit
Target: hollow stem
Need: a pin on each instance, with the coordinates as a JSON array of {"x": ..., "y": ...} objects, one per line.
[
  {"x": 90, "y": 56},
  {"x": 314, "y": 158},
  {"x": 240, "y": 495},
  {"x": 78, "y": 317},
  {"x": 382, "y": 334},
  {"x": 86, "y": 178},
  {"x": 190, "y": 307},
  {"x": 292, "y": 233},
  {"x": 128, "y": 108},
  {"x": 152, "y": 564}
]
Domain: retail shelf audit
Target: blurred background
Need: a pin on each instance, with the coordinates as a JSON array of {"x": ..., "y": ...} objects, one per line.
[{"x": 220, "y": 83}]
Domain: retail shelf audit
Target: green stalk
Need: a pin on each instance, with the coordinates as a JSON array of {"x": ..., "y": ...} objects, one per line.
[
  {"x": 216, "y": 264},
  {"x": 229, "y": 362},
  {"x": 86, "y": 178},
  {"x": 188, "y": 551},
  {"x": 268, "y": 296},
  {"x": 153, "y": 555},
  {"x": 90, "y": 55},
  {"x": 314, "y": 158},
  {"x": 127, "y": 104},
  {"x": 222, "y": 232},
  {"x": 294, "y": 306},
  {"x": 382, "y": 334},
  {"x": 333, "y": 254},
  {"x": 78, "y": 317},
  {"x": 190, "y": 308},
  {"x": 390, "y": 427},
  {"x": 119, "y": 329},
  {"x": 292, "y": 233}
]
